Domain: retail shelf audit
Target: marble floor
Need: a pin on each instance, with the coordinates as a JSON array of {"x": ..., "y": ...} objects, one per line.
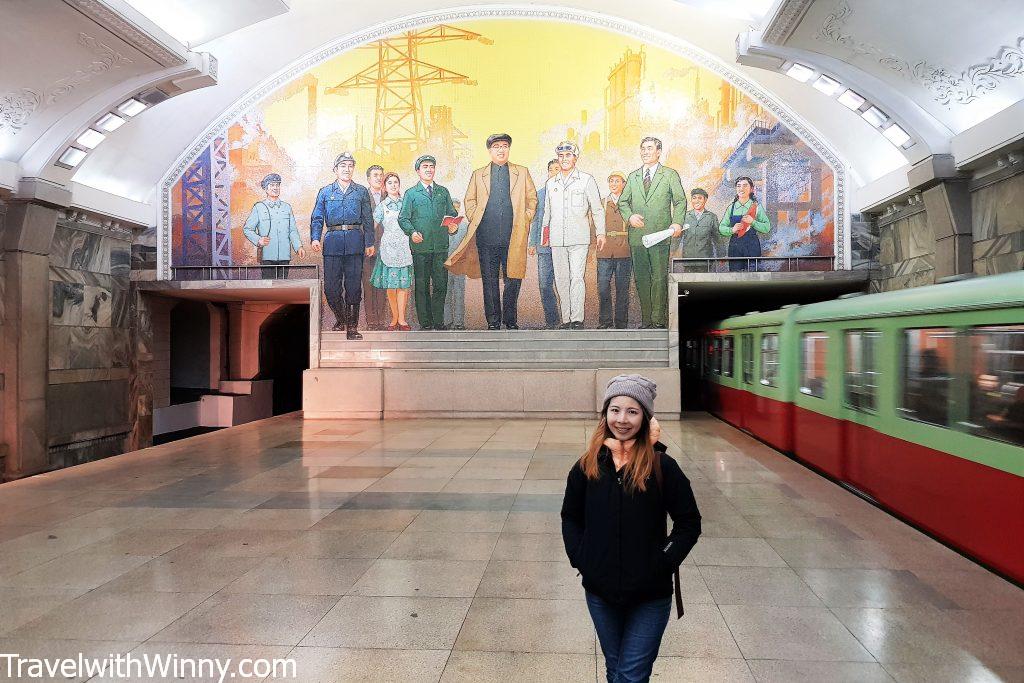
[{"x": 430, "y": 550}]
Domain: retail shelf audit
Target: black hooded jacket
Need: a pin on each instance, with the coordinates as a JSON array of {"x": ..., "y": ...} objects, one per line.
[{"x": 619, "y": 540}]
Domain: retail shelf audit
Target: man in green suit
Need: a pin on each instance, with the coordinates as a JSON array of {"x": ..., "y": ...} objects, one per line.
[
  {"x": 653, "y": 200},
  {"x": 423, "y": 208}
]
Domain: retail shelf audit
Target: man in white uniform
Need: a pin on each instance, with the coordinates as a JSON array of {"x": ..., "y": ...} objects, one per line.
[{"x": 572, "y": 203}]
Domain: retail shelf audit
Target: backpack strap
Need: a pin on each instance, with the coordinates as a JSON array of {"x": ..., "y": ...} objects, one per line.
[{"x": 675, "y": 575}]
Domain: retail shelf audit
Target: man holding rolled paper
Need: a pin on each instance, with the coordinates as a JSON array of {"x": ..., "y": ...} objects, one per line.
[{"x": 653, "y": 201}]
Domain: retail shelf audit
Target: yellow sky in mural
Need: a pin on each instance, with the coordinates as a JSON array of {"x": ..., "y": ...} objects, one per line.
[{"x": 534, "y": 82}]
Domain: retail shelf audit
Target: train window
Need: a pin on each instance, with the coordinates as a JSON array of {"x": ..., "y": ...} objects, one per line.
[
  {"x": 770, "y": 359},
  {"x": 812, "y": 367},
  {"x": 727, "y": 356},
  {"x": 718, "y": 356},
  {"x": 709, "y": 353},
  {"x": 997, "y": 383},
  {"x": 747, "y": 349},
  {"x": 928, "y": 374},
  {"x": 861, "y": 377}
]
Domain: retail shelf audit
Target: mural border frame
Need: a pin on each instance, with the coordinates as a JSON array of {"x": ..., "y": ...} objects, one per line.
[{"x": 670, "y": 43}]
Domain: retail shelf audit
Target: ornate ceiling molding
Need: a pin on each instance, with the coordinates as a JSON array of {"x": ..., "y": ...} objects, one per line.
[
  {"x": 121, "y": 27},
  {"x": 670, "y": 43},
  {"x": 945, "y": 87},
  {"x": 787, "y": 17},
  {"x": 16, "y": 108}
]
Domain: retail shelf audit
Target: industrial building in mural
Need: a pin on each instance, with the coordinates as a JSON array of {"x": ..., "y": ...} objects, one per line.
[{"x": 441, "y": 92}]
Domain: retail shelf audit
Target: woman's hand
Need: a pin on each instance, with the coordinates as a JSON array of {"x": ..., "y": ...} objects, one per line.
[
  {"x": 748, "y": 219},
  {"x": 655, "y": 430}
]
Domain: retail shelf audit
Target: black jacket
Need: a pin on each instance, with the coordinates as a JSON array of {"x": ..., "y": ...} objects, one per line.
[{"x": 619, "y": 540}]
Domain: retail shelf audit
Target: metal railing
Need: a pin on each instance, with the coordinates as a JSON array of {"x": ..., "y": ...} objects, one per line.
[
  {"x": 761, "y": 264},
  {"x": 197, "y": 273}
]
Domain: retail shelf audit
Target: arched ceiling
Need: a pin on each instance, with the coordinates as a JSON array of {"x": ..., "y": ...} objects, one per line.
[{"x": 907, "y": 67}]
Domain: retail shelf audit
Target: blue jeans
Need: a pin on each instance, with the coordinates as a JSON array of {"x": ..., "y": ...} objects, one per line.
[
  {"x": 630, "y": 636},
  {"x": 546, "y": 281}
]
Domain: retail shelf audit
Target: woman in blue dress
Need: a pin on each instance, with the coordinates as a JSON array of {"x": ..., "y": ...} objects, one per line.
[
  {"x": 393, "y": 271},
  {"x": 744, "y": 213}
]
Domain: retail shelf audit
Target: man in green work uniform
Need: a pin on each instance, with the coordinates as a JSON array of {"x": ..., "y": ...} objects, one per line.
[
  {"x": 702, "y": 234},
  {"x": 423, "y": 209},
  {"x": 653, "y": 200}
]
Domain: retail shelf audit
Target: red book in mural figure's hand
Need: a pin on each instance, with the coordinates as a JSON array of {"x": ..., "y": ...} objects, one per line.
[
  {"x": 743, "y": 226},
  {"x": 451, "y": 221}
]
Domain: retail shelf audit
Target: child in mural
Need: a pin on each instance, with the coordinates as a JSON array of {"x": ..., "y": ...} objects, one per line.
[
  {"x": 540, "y": 245},
  {"x": 422, "y": 218},
  {"x": 653, "y": 200},
  {"x": 571, "y": 201},
  {"x": 271, "y": 229},
  {"x": 375, "y": 302},
  {"x": 455, "y": 302},
  {"x": 614, "y": 261},
  {"x": 342, "y": 216},
  {"x": 744, "y": 213},
  {"x": 701, "y": 227},
  {"x": 393, "y": 270},
  {"x": 501, "y": 201}
]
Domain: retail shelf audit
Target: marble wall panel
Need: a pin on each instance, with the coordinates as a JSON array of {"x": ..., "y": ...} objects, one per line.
[
  {"x": 77, "y": 408},
  {"x": 76, "y": 348},
  {"x": 88, "y": 299},
  {"x": 864, "y": 241},
  {"x": 998, "y": 209},
  {"x": 1002, "y": 254}
]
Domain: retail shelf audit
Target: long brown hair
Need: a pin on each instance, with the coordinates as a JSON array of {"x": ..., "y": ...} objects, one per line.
[{"x": 640, "y": 465}]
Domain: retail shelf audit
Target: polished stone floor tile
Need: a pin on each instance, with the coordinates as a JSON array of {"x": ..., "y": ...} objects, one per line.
[
  {"x": 240, "y": 619},
  {"x": 76, "y": 570},
  {"x": 458, "y": 520},
  {"x": 793, "y": 633},
  {"x": 111, "y": 616},
  {"x": 442, "y": 545},
  {"x": 428, "y": 501},
  {"x": 778, "y": 671},
  {"x": 517, "y": 625},
  {"x": 968, "y": 671},
  {"x": 530, "y": 547},
  {"x": 508, "y": 486},
  {"x": 702, "y": 632},
  {"x": 329, "y": 665},
  {"x": 339, "y": 543},
  {"x": 736, "y": 552},
  {"x": 303, "y": 500},
  {"x": 406, "y": 623},
  {"x": 409, "y": 485},
  {"x": 276, "y": 519},
  {"x": 472, "y": 667},
  {"x": 533, "y": 522},
  {"x": 367, "y": 520},
  {"x": 199, "y": 651},
  {"x": 541, "y": 580},
  {"x": 428, "y": 578},
  {"x": 23, "y": 604},
  {"x": 300, "y": 576},
  {"x": 699, "y": 670},
  {"x": 768, "y": 586},
  {"x": 182, "y": 572},
  {"x": 872, "y": 588},
  {"x": 355, "y": 472},
  {"x": 59, "y": 648}
]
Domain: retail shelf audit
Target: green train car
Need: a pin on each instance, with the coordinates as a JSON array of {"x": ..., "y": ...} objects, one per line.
[{"x": 913, "y": 398}]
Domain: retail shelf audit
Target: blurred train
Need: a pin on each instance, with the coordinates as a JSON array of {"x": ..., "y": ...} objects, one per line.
[{"x": 915, "y": 399}]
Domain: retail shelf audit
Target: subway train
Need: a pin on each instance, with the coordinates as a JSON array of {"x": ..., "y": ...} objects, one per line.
[{"x": 914, "y": 399}]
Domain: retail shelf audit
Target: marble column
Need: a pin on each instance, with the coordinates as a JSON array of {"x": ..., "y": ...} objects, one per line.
[
  {"x": 28, "y": 231},
  {"x": 949, "y": 213},
  {"x": 245, "y": 319}
]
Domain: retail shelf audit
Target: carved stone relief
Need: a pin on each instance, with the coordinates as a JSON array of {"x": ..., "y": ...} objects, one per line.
[{"x": 944, "y": 86}]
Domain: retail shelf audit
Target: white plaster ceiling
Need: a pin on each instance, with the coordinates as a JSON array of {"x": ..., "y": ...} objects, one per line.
[
  {"x": 195, "y": 22},
  {"x": 55, "y": 58},
  {"x": 960, "y": 62}
]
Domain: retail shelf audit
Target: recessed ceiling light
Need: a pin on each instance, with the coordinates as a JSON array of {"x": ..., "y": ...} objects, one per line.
[
  {"x": 71, "y": 157},
  {"x": 875, "y": 117},
  {"x": 896, "y": 135},
  {"x": 131, "y": 107},
  {"x": 827, "y": 85},
  {"x": 110, "y": 122},
  {"x": 851, "y": 100},
  {"x": 800, "y": 72},
  {"x": 91, "y": 138}
]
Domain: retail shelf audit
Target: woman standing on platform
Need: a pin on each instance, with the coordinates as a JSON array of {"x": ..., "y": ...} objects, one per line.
[
  {"x": 744, "y": 213},
  {"x": 393, "y": 271},
  {"x": 615, "y": 532}
]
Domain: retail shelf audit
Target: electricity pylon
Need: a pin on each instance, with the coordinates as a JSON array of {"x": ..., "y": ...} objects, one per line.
[{"x": 398, "y": 76}]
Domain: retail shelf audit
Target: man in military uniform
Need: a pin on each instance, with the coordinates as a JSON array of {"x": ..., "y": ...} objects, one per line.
[
  {"x": 271, "y": 229},
  {"x": 423, "y": 209},
  {"x": 342, "y": 227}
]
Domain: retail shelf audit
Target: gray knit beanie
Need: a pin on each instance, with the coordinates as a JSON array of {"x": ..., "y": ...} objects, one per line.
[{"x": 636, "y": 387}]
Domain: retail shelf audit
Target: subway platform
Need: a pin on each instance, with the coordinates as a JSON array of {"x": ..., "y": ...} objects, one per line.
[{"x": 427, "y": 550}]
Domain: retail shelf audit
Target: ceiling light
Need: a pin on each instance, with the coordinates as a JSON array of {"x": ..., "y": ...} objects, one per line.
[
  {"x": 110, "y": 122},
  {"x": 896, "y": 135},
  {"x": 827, "y": 85},
  {"x": 71, "y": 157},
  {"x": 851, "y": 100},
  {"x": 90, "y": 138},
  {"x": 131, "y": 107},
  {"x": 875, "y": 117},
  {"x": 800, "y": 72}
]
